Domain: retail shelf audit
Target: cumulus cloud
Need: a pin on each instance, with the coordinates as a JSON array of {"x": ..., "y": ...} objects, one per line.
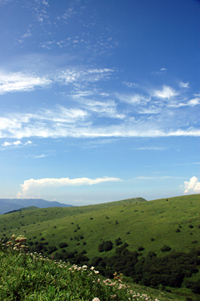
[
  {"x": 18, "y": 81},
  {"x": 32, "y": 186},
  {"x": 192, "y": 186}
]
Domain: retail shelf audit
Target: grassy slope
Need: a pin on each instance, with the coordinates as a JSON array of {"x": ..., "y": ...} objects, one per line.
[
  {"x": 26, "y": 278},
  {"x": 134, "y": 221}
]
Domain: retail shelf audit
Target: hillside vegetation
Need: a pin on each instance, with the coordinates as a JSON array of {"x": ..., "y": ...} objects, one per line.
[
  {"x": 174, "y": 222},
  {"x": 101, "y": 234},
  {"x": 28, "y": 276}
]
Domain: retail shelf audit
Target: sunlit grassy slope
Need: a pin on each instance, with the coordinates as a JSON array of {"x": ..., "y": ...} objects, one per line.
[{"x": 174, "y": 222}]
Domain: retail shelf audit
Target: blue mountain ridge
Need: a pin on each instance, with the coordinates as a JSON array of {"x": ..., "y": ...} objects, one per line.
[{"x": 7, "y": 205}]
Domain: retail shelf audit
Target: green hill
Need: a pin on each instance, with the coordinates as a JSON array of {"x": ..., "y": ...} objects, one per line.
[
  {"x": 156, "y": 227},
  {"x": 174, "y": 222}
]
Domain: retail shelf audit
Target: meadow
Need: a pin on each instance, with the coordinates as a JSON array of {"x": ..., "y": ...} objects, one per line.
[
  {"x": 31, "y": 276},
  {"x": 81, "y": 235}
]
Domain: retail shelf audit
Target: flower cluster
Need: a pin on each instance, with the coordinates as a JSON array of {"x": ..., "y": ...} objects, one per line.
[{"x": 17, "y": 243}]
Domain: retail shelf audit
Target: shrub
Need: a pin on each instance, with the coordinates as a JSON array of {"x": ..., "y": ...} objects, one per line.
[
  {"x": 63, "y": 245},
  {"x": 165, "y": 248},
  {"x": 51, "y": 249},
  {"x": 105, "y": 246},
  {"x": 118, "y": 241}
]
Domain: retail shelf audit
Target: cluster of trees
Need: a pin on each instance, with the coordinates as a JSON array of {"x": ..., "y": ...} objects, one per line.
[
  {"x": 169, "y": 270},
  {"x": 105, "y": 246},
  {"x": 73, "y": 257}
]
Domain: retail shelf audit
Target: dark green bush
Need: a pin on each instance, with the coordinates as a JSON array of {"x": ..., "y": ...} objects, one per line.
[
  {"x": 165, "y": 248},
  {"x": 63, "y": 245},
  {"x": 118, "y": 241},
  {"x": 105, "y": 246}
]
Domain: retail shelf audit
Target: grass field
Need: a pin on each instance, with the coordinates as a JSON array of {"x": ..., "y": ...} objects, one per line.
[
  {"x": 31, "y": 277},
  {"x": 174, "y": 222}
]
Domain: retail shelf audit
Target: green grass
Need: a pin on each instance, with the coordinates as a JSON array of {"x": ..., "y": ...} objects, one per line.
[
  {"x": 150, "y": 224},
  {"x": 33, "y": 277},
  {"x": 27, "y": 276},
  {"x": 174, "y": 222}
]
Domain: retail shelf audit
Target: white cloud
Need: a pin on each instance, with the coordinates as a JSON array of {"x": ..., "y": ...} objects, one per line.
[
  {"x": 184, "y": 85},
  {"x": 102, "y": 108},
  {"x": 151, "y": 110},
  {"x": 154, "y": 178},
  {"x": 28, "y": 142},
  {"x": 77, "y": 123},
  {"x": 30, "y": 187},
  {"x": 6, "y": 143},
  {"x": 133, "y": 98},
  {"x": 161, "y": 71},
  {"x": 40, "y": 156},
  {"x": 15, "y": 143},
  {"x": 11, "y": 143},
  {"x": 83, "y": 75},
  {"x": 189, "y": 103},
  {"x": 193, "y": 102},
  {"x": 15, "y": 82},
  {"x": 153, "y": 148},
  {"x": 130, "y": 84},
  {"x": 166, "y": 93},
  {"x": 193, "y": 186}
]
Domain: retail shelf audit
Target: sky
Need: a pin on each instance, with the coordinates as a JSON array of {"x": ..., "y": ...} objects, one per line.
[{"x": 99, "y": 100}]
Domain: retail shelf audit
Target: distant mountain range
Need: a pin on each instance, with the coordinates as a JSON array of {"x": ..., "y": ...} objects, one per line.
[{"x": 7, "y": 205}]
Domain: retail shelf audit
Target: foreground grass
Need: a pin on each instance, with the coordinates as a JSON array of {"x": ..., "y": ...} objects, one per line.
[{"x": 33, "y": 277}]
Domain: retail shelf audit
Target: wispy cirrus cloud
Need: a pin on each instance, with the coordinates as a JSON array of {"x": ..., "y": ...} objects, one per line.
[
  {"x": 184, "y": 85},
  {"x": 23, "y": 81},
  {"x": 31, "y": 187},
  {"x": 102, "y": 108},
  {"x": 153, "y": 148},
  {"x": 83, "y": 75},
  {"x": 134, "y": 99},
  {"x": 160, "y": 72},
  {"x": 186, "y": 103},
  {"x": 79, "y": 123},
  {"x": 18, "y": 81},
  {"x": 130, "y": 84}
]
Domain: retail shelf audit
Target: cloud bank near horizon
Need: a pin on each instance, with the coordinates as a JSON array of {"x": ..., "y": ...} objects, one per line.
[{"x": 32, "y": 187}]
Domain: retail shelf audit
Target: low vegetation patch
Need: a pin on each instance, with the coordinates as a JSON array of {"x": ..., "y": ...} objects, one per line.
[{"x": 31, "y": 276}]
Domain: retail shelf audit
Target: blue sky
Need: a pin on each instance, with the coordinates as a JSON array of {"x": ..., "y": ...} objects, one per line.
[{"x": 99, "y": 100}]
